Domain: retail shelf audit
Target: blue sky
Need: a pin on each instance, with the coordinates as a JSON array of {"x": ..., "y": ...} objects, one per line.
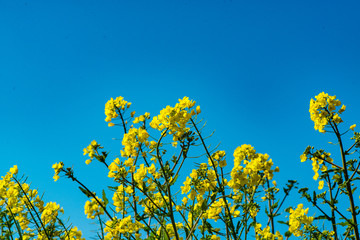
[{"x": 252, "y": 66}]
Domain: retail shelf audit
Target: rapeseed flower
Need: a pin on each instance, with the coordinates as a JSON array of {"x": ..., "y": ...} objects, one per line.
[{"x": 322, "y": 111}]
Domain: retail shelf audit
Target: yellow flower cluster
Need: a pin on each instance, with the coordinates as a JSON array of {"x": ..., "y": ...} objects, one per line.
[
  {"x": 298, "y": 218},
  {"x": 218, "y": 156},
  {"x": 14, "y": 196},
  {"x": 91, "y": 151},
  {"x": 116, "y": 170},
  {"x": 10, "y": 193},
  {"x": 202, "y": 180},
  {"x": 170, "y": 230},
  {"x": 141, "y": 118},
  {"x": 317, "y": 159},
  {"x": 215, "y": 209},
  {"x": 265, "y": 234},
  {"x": 316, "y": 162},
  {"x": 154, "y": 202},
  {"x": 322, "y": 111},
  {"x": 122, "y": 226},
  {"x": 50, "y": 212},
  {"x": 131, "y": 141},
  {"x": 140, "y": 175},
  {"x": 257, "y": 167},
  {"x": 214, "y": 237},
  {"x": 175, "y": 118},
  {"x": 112, "y": 106},
  {"x": 93, "y": 208},
  {"x": 120, "y": 198},
  {"x": 73, "y": 234},
  {"x": 57, "y": 168}
]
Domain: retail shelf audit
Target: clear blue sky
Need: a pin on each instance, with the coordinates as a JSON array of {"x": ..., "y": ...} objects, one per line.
[{"x": 252, "y": 66}]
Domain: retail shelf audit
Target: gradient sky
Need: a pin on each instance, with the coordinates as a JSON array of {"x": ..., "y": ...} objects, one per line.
[{"x": 252, "y": 66}]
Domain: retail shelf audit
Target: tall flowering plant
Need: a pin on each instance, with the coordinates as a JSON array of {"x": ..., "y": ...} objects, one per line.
[
  {"x": 24, "y": 215},
  {"x": 336, "y": 179},
  {"x": 147, "y": 201},
  {"x": 215, "y": 200},
  {"x": 155, "y": 197}
]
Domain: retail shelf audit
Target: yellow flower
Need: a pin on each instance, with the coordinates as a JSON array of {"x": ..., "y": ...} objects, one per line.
[
  {"x": 113, "y": 107},
  {"x": 298, "y": 218},
  {"x": 342, "y": 109},
  {"x": 129, "y": 162},
  {"x": 222, "y": 163},
  {"x": 14, "y": 169},
  {"x": 175, "y": 119},
  {"x": 56, "y": 177},
  {"x": 337, "y": 119},
  {"x": 93, "y": 209},
  {"x": 57, "y": 168},
  {"x": 352, "y": 127},
  {"x": 256, "y": 168},
  {"x": 91, "y": 150},
  {"x": 321, "y": 185},
  {"x": 214, "y": 237},
  {"x": 203, "y": 165},
  {"x": 186, "y": 188},
  {"x": 266, "y": 233},
  {"x": 50, "y": 212},
  {"x": 198, "y": 110},
  {"x": 303, "y": 157},
  {"x": 322, "y": 110}
]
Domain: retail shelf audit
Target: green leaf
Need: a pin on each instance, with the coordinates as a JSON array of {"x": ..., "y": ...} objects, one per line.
[
  {"x": 343, "y": 224},
  {"x": 322, "y": 217},
  {"x": 288, "y": 234},
  {"x": 275, "y": 205},
  {"x": 106, "y": 201},
  {"x": 86, "y": 192}
]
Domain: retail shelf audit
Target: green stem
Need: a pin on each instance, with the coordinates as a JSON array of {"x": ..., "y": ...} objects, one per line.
[
  {"x": 333, "y": 221},
  {"x": 33, "y": 208},
  {"x": 122, "y": 119},
  {"x": 271, "y": 209},
  {"x": 222, "y": 190},
  {"x": 348, "y": 183},
  {"x": 71, "y": 176},
  {"x": 170, "y": 207},
  {"x": 16, "y": 222}
]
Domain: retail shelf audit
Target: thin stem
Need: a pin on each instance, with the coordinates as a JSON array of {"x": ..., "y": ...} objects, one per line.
[
  {"x": 355, "y": 171},
  {"x": 89, "y": 192},
  {"x": 333, "y": 221},
  {"x": 122, "y": 119},
  {"x": 9, "y": 227},
  {"x": 33, "y": 208},
  {"x": 348, "y": 184},
  {"x": 286, "y": 194},
  {"x": 347, "y": 151},
  {"x": 101, "y": 227},
  {"x": 332, "y": 164},
  {"x": 16, "y": 222},
  {"x": 271, "y": 209},
  {"x": 218, "y": 180}
]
